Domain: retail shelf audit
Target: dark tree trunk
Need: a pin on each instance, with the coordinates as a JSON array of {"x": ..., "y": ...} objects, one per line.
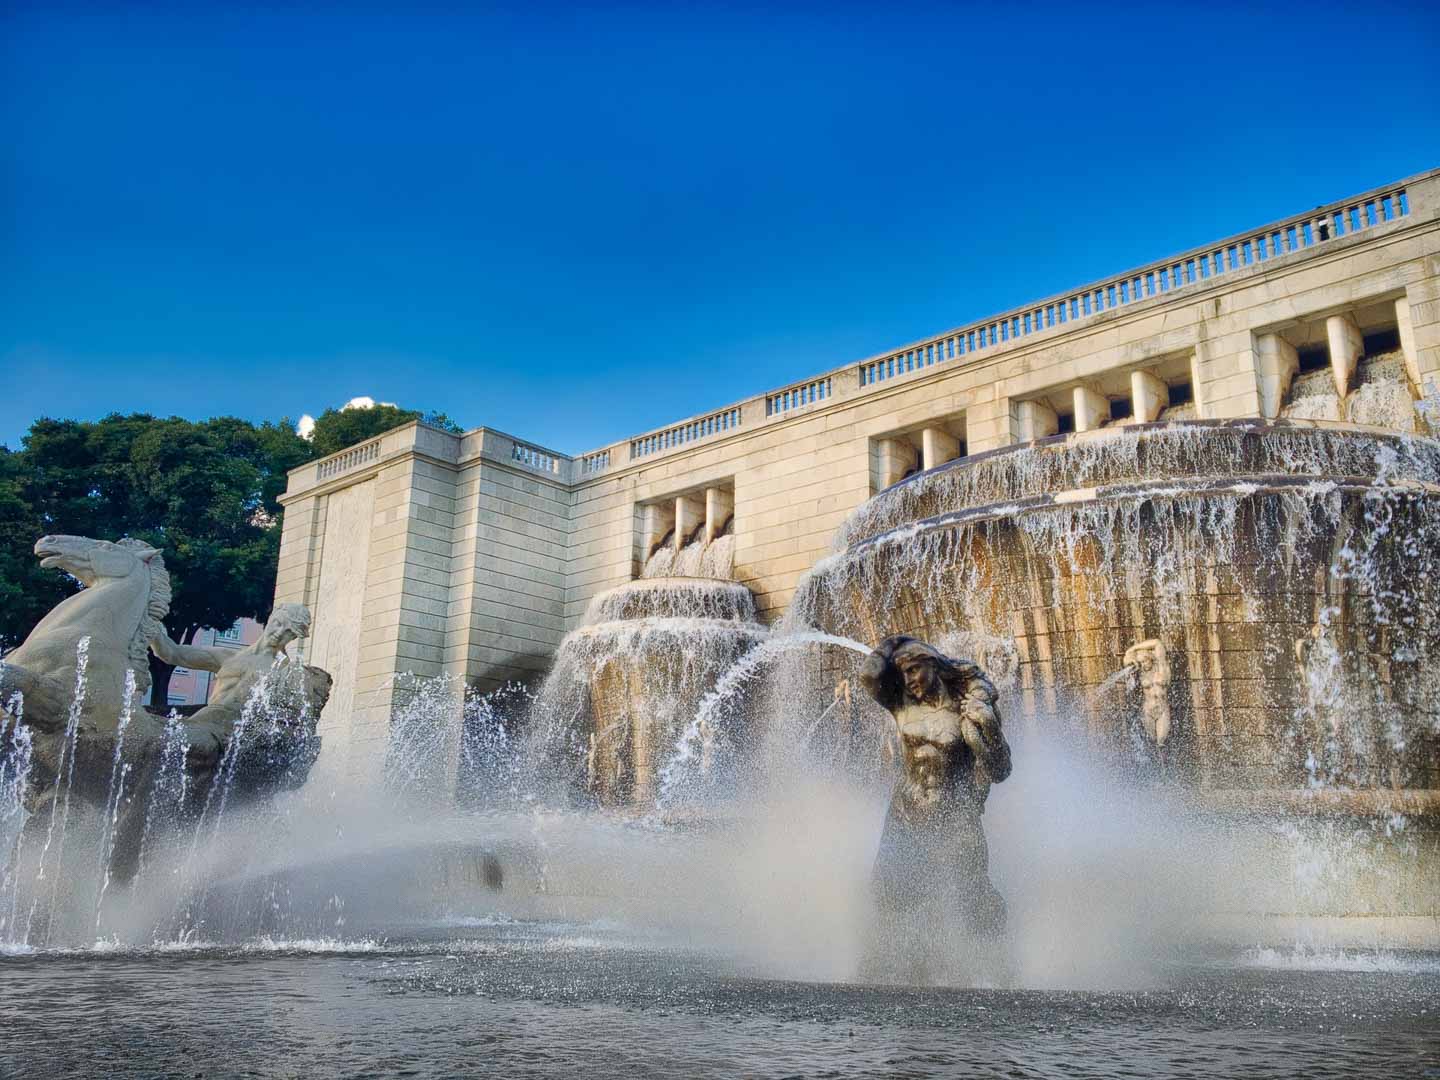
[{"x": 160, "y": 673}]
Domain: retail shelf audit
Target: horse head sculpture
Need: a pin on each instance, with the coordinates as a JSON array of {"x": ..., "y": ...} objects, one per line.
[{"x": 126, "y": 595}]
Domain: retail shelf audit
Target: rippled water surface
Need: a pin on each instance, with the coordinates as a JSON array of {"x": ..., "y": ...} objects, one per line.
[{"x": 543, "y": 1000}]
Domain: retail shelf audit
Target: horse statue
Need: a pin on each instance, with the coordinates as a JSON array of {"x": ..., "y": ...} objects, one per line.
[
  {"x": 126, "y": 595},
  {"x": 74, "y": 687}
]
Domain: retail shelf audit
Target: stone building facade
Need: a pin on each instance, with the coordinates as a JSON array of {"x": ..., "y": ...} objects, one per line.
[{"x": 473, "y": 554}]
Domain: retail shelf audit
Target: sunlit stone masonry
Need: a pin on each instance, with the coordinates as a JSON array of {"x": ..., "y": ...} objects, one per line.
[{"x": 1207, "y": 470}]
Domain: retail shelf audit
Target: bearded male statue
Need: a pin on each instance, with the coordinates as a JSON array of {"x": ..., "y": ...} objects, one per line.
[{"x": 933, "y": 855}]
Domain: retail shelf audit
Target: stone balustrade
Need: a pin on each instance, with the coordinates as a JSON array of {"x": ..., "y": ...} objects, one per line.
[
  {"x": 1302, "y": 233},
  {"x": 535, "y": 458},
  {"x": 345, "y": 460},
  {"x": 599, "y": 461},
  {"x": 782, "y": 401},
  {"x": 685, "y": 433}
]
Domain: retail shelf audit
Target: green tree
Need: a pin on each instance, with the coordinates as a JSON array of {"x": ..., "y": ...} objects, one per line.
[
  {"x": 26, "y": 591},
  {"x": 336, "y": 429},
  {"x": 205, "y": 493}
]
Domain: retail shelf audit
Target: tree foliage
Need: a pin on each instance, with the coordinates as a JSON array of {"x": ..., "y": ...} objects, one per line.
[
  {"x": 336, "y": 429},
  {"x": 204, "y": 493}
]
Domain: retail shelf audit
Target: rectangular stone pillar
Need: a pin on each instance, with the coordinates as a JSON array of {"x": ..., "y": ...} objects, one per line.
[
  {"x": 1092, "y": 409},
  {"x": 1224, "y": 376},
  {"x": 989, "y": 424},
  {"x": 689, "y": 515},
  {"x": 896, "y": 458},
  {"x": 1276, "y": 363},
  {"x": 656, "y": 520},
  {"x": 1346, "y": 348},
  {"x": 937, "y": 447},
  {"x": 1407, "y": 340},
  {"x": 1149, "y": 395},
  {"x": 1035, "y": 420},
  {"x": 719, "y": 507},
  {"x": 1423, "y": 300},
  {"x": 1197, "y": 389}
]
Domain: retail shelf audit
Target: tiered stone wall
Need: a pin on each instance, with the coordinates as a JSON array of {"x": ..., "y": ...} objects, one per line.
[{"x": 483, "y": 549}]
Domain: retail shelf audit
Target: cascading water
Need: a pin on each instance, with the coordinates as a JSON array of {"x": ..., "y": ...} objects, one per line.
[
  {"x": 630, "y": 677},
  {"x": 1381, "y": 398},
  {"x": 696, "y": 557},
  {"x": 1291, "y": 571},
  {"x": 1270, "y": 559},
  {"x": 710, "y": 731}
]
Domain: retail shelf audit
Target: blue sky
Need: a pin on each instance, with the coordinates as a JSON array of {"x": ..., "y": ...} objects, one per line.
[{"x": 575, "y": 224}]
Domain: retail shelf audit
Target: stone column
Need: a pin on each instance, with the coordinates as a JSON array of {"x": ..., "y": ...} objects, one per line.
[
  {"x": 1036, "y": 420},
  {"x": 404, "y": 615},
  {"x": 1149, "y": 395},
  {"x": 1346, "y": 348},
  {"x": 719, "y": 506},
  {"x": 896, "y": 458},
  {"x": 1092, "y": 409},
  {"x": 689, "y": 514},
  {"x": 1276, "y": 363},
  {"x": 1197, "y": 390},
  {"x": 937, "y": 447}
]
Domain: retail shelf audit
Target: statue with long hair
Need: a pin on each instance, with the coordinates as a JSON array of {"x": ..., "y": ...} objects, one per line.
[{"x": 933, "y": 856}]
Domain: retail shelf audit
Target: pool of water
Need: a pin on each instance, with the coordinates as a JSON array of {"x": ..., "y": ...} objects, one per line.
[{"x": 536, "y": 999}]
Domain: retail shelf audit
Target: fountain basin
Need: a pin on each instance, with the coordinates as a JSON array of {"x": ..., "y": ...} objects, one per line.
[
  {"x": 1290, "y": 570},
  {"x": 630, "y": 678}
]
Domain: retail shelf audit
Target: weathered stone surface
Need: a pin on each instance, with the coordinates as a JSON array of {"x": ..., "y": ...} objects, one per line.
[{"x": 950, "y": 746}]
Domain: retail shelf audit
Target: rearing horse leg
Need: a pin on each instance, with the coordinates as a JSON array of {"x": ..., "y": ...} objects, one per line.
[{"x": 46, "y": 699}]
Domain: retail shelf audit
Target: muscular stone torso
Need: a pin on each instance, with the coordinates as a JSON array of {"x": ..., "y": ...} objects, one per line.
[{"x": 937, "y": 761}]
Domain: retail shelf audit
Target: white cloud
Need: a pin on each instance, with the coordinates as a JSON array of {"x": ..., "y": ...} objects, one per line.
[{"x": 306, "y": 427}]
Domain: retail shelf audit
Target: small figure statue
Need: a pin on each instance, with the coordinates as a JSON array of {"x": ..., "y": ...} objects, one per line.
[
  {"x": 933, "y": 849},
  {"x": 237, "y": 671},
  {"x": 1149, "y": 660}
]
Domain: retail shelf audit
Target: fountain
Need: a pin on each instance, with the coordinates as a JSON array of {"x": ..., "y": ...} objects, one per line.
[
  {"x": 629, "y": 678},
  {"x": 75, "y": 743},
  {"x": 1264, "y": 593},
  {"x": 1212, "y": 626},
  {"x": 1213, "y": 645},
  {"x": 932, "y": 871}
]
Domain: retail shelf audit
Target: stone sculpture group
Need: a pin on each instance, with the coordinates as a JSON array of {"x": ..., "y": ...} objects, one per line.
[{"x": 71, "y": 695}]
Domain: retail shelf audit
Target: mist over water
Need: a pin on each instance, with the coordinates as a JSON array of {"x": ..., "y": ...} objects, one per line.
[
  {"x": 1110, "y": 876},
  {"x": 661, "y": 858},
  {"x": 1106, "y": 882}
]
